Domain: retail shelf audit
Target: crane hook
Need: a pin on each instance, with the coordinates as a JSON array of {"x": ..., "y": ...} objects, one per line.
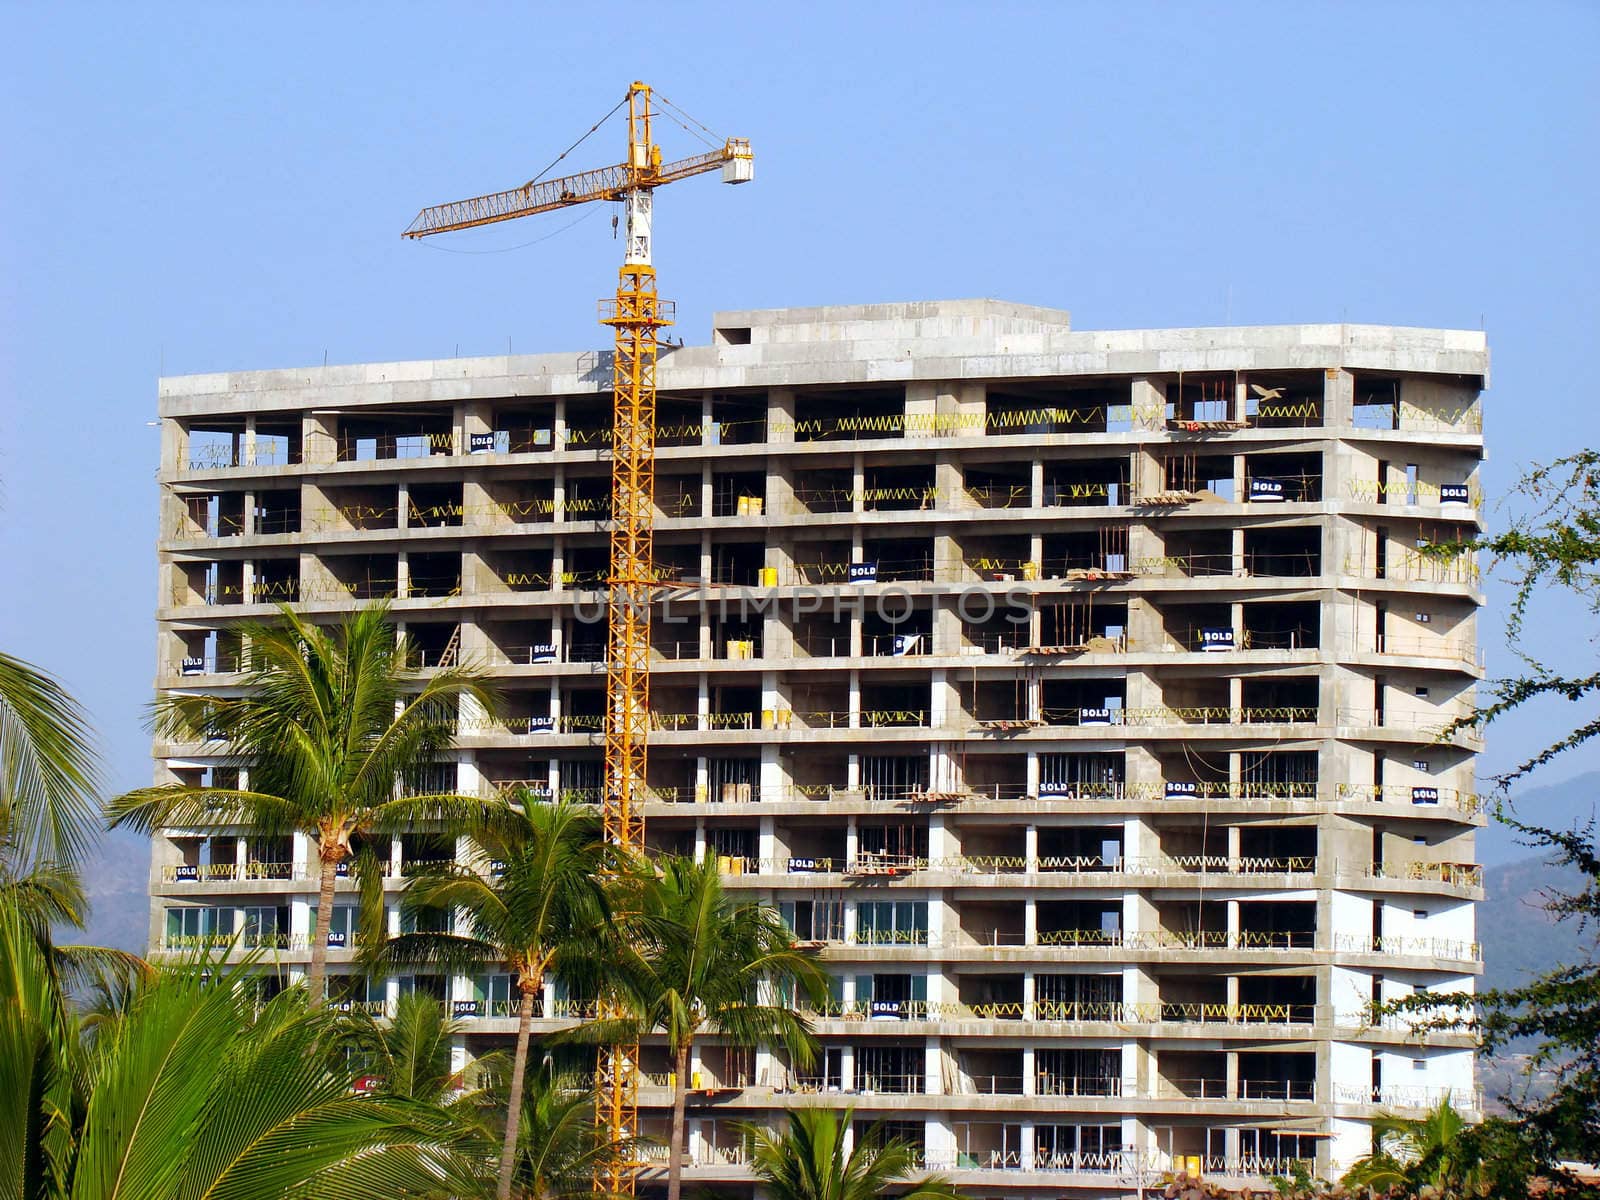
[{"x": 613, "y": 226}]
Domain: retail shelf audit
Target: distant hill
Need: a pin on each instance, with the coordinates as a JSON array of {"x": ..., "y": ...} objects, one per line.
[
  {"x": 1563, "y": 805},
  {"x": 118, "y": 883},
  {"x": 1520, "y": 939}
]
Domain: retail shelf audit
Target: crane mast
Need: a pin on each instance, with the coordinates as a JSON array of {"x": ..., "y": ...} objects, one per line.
[{"x": 636, "y": 316}]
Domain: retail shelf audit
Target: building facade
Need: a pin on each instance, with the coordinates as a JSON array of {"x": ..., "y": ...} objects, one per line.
[{"x": 1083, "y": 697}]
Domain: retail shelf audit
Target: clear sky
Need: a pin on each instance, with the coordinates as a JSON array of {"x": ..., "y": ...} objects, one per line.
[{"x": 222, "y": 187}]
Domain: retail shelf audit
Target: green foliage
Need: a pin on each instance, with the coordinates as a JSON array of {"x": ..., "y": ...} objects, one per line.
[
  {"x": 695, "y": 961},
  {"x": 193, "y": 1093},
  {"x": 808, "y": 1161},
  {"x": 328, "y": 725},
  {"x": 545, "y": 907},
  {"x": 49, "y": 776},
  {"x": 1554, "y": 544}
]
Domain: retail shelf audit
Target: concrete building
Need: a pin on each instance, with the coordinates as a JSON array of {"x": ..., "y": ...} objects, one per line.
[{"x": 1079, "y": 694}]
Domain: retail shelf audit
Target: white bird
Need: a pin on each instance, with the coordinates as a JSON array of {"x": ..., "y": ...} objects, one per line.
[{"x": 1267, "y": 393}]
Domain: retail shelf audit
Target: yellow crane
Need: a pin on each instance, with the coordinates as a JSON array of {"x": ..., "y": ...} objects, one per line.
[{"x": 636, "y": 316}]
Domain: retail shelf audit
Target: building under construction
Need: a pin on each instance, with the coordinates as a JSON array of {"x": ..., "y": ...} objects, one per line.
[{"x": 1086, "y": 698}]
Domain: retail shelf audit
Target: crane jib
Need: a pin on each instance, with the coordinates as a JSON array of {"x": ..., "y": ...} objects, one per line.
[{"x": 603, "y": 183}]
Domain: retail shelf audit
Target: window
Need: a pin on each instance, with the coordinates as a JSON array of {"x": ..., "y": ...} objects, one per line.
[
  {"x": 341, "y": 928},
  {"x": 196, "y": 926},
  {"x": 892, "y": 997},
  {"x": 492, "y": 996},
  {"x": 265, "y": 926},
  {"x": 817, "y": 920},
  {"x": 1066, "y": 1147},
  {"x": 1421, "y": 914},
  {"x": 892, "y": 922}
]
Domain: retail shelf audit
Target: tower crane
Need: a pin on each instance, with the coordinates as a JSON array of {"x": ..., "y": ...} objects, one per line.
[{"x": 636, "y": 315}]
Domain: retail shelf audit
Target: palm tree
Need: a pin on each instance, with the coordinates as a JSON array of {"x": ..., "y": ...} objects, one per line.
[
  {"x": 48, "y": 774},
  {"x": 409, "y": 1055},
  {"x": 328, "y": 728},
  {"x": 696, "y": 965},
  {"x": 194, "y": 1091},
  {"x": 1411, "y": 1153},
  {"x": 809, "y": 1162},
  {"x": 541, "y": 905},
  {"x": 559, "y": 1147},
  {"x": 49, "y": 821}
]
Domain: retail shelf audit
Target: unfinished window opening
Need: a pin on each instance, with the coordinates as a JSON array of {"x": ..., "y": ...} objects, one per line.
[
  {"x": 858, "y": 415},
  {"x": 904, "y": 844},
  {"x": 995, "y": 558},
  {"x": 735, "y": 707},
  {"x": 911, "y": 634},
  {"x": 1087, "y": 482},
  {"x": 821, "y": 490},
  {"x": 434, "y": 575},
  {"x": 819, "y": 919},
  {"x": 1086, "y": 702},
  {"x": 738, "y": 421},
  {"x": 585, "y": 567},
  {"x": 588, "y": 498},
  {"x": 522, "y": 570},
  {"x": 1082, "y": 776},
  {"x": 738, "y": 494},
  {"x": 738, "y": 564},
  {"x": 1290, "y": 553},
  {"x": 1283, "y": 478},
  {"x": 430, "y": 644},
  {"x": 677, "y": 496},
  {"x": 1290, "y": 625},
  {"x": 1188, "y": 478},
  {"x": 1080, "y": 848},
  {"x": 1088, "y": 554},
  {"x": 1083, "y": 624},
  {"x": 888, "y": 777},
  {"x": 1278, "y": 700},
  {"x": 581, "y": 779},
  {"x": 893, "y": 704},
  {"x": 1203, "y": 399},
  {"x": 216, "y": 446},
  {"x": 351, "y": 507},
  {"x": 589, "y": 422},
  {"x": 898, "y": 489},
  {"x": 1197, "y": 553},
  {"x": 678, "y": 421},
  {"x": 1278, "y": 773},
  {"x": 520, "y": 429},
  {"x": 415, "y": 433},
  {"x": 1080, "y": 922},
  {"x": 1002, "y": 485},
  {"x": 1085, "y": 1072},
  {"x": 277, "y": 511},
  {"x": 1284, "y": 400},
  {"x": 1377, "y": 401},
  {"x": 277, "y": 581},
  {"x": 737, "y": 637},
  {"x": 434, "y": 505},
  {"x": 899, "y": 560},
  {"x": 1087, "y": 406}
]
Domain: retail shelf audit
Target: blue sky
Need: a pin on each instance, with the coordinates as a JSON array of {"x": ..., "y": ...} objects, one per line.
[{"x": 222, "y": 187}]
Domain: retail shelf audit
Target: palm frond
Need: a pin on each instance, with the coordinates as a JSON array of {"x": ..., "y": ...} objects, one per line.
[{"x": 49, "y": 775}]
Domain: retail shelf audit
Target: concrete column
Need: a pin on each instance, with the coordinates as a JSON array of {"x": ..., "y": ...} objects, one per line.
[
  {"x": 1338, "y": 398},
  {"x": 780, "y": 415},
  {"x": 1030, "y": 922},
  {"x": 319, "y": 438}
]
